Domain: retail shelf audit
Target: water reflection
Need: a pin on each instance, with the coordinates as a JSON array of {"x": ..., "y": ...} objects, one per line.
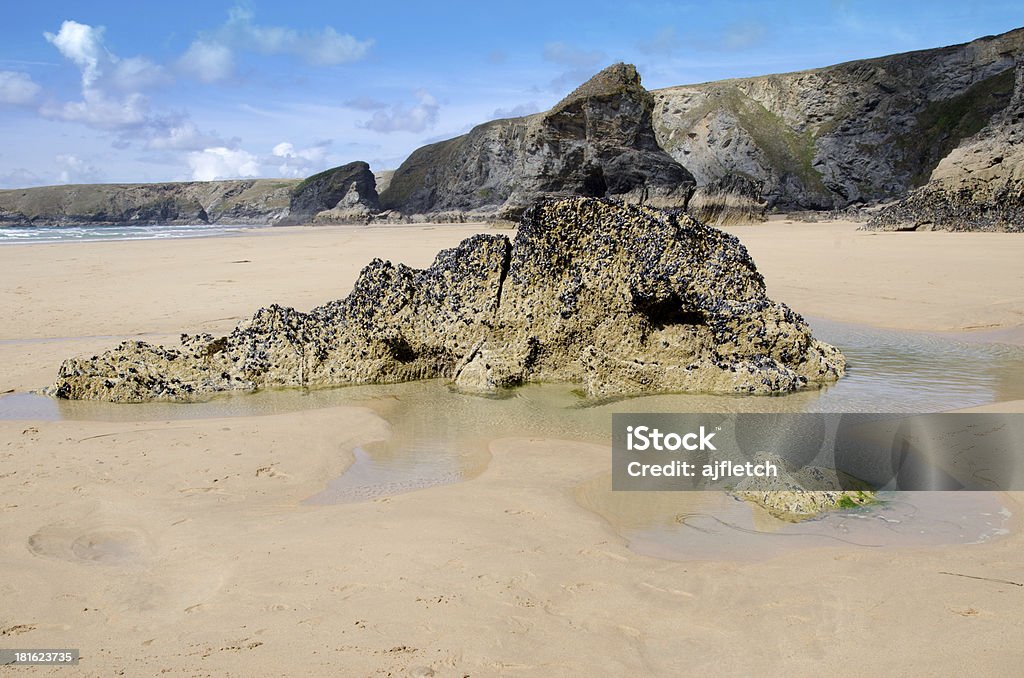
[
  {"x": 439, "y": 436},
  {"x": 716, "y": 526}
]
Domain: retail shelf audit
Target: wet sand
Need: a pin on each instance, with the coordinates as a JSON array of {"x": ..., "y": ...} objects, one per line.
[{"x": 185, "y": 545}]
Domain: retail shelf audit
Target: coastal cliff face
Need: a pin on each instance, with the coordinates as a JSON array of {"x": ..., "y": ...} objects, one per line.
[
  {"x": 243, "y": 201},
  {"x": 349, "y": 190},
  {"x": 941, "y": 128},
  {"x": 621, "y": 299},
  {"x": 824, "y": 139},
  {"x": 979, "y": 186},
  {"x": 598, "y": 142},
  {"x": 343, "y": 194}
]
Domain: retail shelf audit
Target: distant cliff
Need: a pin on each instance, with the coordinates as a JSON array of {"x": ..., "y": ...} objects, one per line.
[
  {"x": 857, "y": 132},
  {"x": 247, "y": 201},
  {"x": 936, "y": 132},
  {"x": 349, "y": 189},
  {"x": 598, "y": 141}
]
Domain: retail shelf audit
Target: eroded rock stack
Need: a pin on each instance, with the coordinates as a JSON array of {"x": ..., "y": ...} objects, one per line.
[
  {"x": 599, "y": 141},
  {"x": 619, "y": 298}
]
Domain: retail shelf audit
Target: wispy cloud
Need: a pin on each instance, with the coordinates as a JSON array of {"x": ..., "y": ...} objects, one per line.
[
  {"x": 743, "y": 34},
  {"x": 74, "y": 170},
  {"x": 211, "y": 57},
  {"x": 113, "y": 96},
  {"x": 578, "y": 64},
  {"x": 402, "y": 118},
  {"x": 516, "y": 111},
  {"x": 17, "y": 89},
  {"x": 573, "y": 57},
  {"x": 208, "y": 61},
  {"x": 664, "y": 43},
  {"x": 365, "y": 104}
]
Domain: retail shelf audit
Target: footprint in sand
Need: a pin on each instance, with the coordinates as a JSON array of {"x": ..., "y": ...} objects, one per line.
[{"x": 100, "y": 545}]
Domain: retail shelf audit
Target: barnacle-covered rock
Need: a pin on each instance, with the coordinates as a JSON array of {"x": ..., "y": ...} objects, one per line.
[{"x": 619, "y": 298}]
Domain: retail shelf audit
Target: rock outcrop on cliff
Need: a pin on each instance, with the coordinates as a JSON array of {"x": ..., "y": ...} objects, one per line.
[
  {"x": 619, "y": 298},
  {"x": 979, "y": 186},
  {"x": 242, "y": 201},
  {"x": 342, "y": 194},
  {"x": 853, "y": 133},
  {"x": 598, "y": 142}
]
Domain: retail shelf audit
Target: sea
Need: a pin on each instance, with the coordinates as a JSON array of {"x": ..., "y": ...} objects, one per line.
[{"x": 55, "y": 234}]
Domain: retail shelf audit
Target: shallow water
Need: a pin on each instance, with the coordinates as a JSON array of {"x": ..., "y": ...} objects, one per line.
[
  {"x": 888, "y": 371},
  {"x": 716, "y": 526},
  {"x": 51, "y": 234},
  {"x": 440, "y": 437}
]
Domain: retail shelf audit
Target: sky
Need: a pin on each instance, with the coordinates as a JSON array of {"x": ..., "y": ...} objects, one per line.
[{"x": 173, "y": 91}]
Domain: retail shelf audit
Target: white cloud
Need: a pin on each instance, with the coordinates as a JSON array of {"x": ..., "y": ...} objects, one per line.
[
  {"x": 20, "y": 177},
  {"x": 181, "y": 134},
  {"x": 97, "y": 109},
  {"x": 208, "y": 61},
  {"x": 74, "y": 170},
  {"x": 299, "y": 162},
  {"x": 400, "y": 118},
  {"x": 211, "y": 57},
  {"x": 82, "y": 44},
  {"x": 17, "y": 88},
  {"x": 222, "y": 163},
  {"x": 135, "y": 73},
  {"x": 112, "y": 99},
  {"x": 516, "y": 111},
  {"x": 322, "y": 48}
]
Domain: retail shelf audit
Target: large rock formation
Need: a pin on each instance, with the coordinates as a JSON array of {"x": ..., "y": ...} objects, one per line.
[
  {"x": 619, "y": 298},
  {"x": 598, "y": 141},
  {"x": 852, "y": 133},
  {"x": 343, "y": 193},
  {"x": 979, "y": 186},
  {"x": 242, "y": 201}
]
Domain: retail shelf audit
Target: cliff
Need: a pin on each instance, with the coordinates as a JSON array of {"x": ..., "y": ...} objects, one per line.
[
  {"x": 853, "y": 133},
  {"x": 598, "y": 141},
  {"x": 938, "y": 130},
  {"x": 979, "y": 186},
  {"x": 248, "y": 201}
]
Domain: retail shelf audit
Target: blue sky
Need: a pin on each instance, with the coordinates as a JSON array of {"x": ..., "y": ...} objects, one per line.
[{"x": 114, "y": 91}]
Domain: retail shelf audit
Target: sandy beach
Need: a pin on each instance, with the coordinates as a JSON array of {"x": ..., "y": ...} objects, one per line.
[{"x": 184, "y": 546}]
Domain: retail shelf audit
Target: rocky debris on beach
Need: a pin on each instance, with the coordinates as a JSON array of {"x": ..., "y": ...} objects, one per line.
[
  {"x": 620, "y": 298},
  {"x": 979, "y": 186},
  {"x": 598, "y": 142},
  {"x": 786, "y": 497}
]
